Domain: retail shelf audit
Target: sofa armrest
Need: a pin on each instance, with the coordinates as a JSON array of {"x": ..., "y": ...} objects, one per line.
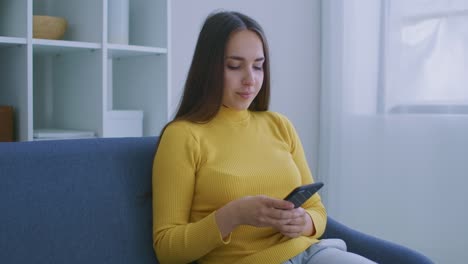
[{"x": 373, "y": 248}]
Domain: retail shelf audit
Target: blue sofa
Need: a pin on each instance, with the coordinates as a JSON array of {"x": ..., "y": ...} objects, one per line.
[{"x": 88, "y": 201}]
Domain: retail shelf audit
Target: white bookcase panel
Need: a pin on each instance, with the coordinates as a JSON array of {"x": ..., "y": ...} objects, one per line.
[
  {"x": 11, "y": 41},
  {"x": 62, "y": 46},
  {"x": 120, "y": 51},
  {"x": 86, "y": 84}
]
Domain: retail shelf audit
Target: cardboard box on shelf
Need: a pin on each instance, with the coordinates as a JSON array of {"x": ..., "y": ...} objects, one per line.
[{"x": 6, "y": 123}]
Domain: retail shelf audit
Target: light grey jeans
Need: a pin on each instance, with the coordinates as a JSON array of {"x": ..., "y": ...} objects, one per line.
[{"x": 328, "y": 251}]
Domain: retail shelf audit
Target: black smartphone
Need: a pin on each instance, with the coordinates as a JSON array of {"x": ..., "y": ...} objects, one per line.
[{"x": 299, "y": 195}]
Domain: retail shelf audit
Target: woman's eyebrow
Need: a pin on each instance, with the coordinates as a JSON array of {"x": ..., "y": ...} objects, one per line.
[{"x": 243, "y": 59}]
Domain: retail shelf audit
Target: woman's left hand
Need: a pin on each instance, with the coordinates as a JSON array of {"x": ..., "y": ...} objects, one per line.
[{"x": 301, "y": 225}]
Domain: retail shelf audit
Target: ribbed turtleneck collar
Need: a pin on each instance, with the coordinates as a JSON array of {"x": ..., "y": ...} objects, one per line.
[{"x": 233, "y": 115}]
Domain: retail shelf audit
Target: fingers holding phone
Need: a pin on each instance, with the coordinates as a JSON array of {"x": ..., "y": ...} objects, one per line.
[
  {"x": 297, "y": 226},
  {"x": 303, "y": 223},
  {"x": 263, "y": 211},
  {"x": 286, "y": 214}
]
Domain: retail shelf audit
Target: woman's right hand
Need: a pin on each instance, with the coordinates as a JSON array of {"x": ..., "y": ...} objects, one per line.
[
  {"x": 259, "y": 211},
  {"x": 263, "y": 211}
]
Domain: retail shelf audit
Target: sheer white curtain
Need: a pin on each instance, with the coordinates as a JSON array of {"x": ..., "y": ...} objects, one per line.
[
  {"x": 394, "y": 121},
  {"x": 426, "y": 56}
]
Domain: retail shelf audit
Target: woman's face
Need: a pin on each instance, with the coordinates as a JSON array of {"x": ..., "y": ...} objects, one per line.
[{"x": 243, "y": 69}]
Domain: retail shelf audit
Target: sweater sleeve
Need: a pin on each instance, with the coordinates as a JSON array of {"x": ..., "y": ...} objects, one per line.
[
  {"x": 175, "y": 239},
  {"x": 314, "y": 205}
]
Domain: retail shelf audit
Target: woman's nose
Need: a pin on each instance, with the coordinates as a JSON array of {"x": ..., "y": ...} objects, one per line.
[{"x": 248, "y": 78}]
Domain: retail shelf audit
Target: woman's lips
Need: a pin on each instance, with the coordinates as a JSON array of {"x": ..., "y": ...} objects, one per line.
[{"x": 245, "y": 95}]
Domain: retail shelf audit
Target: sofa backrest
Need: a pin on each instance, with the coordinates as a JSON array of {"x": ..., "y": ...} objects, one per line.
[{"x": 76, "y": 201}]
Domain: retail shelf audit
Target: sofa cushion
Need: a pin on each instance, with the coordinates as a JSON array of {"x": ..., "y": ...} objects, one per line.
[{"x": 76, "y": 201}]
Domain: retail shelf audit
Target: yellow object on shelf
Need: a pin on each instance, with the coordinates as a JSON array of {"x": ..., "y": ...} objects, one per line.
[{"x": 49, "y": 27}]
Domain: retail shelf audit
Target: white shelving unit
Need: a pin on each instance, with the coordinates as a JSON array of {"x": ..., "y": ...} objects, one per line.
[{"x": 85, "y": 83}]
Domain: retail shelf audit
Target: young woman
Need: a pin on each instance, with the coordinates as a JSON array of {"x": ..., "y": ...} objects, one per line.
[{"x": 225, "y": 163}]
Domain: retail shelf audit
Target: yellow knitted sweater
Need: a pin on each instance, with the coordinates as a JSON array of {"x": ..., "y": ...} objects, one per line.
[{"x": 198, "y": 168}]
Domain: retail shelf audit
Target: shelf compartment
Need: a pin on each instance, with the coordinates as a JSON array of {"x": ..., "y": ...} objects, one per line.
[
  {"x": 139, "y": 82},
  {"x": 14, "y": 87},
  {"x": 67, "y": 91},
  {"x": 84, "y": 17},
  {"x": 13, "y": 18},
  {"x": 147, "y": 23}
]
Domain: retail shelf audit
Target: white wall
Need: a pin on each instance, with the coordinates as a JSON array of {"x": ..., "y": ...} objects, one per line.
[
  {"x": 400, "y": 177},
  {"x": 293, "y": 32}
]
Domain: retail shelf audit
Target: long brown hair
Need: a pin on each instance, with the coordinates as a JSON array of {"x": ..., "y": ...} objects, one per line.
[{"x": 203, "y": 91}]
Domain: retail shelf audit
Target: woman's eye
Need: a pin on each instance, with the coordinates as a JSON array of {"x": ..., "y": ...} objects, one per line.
[
  {"x": 259, "y": 68},
  {"x": 232, "y": 67}
]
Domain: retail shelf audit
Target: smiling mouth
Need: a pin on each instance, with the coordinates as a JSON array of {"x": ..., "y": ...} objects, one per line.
[{"x": 245, "y": 95}]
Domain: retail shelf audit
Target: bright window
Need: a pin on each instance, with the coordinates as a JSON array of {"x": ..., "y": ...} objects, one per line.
[{"x": 426, "y": 56}]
